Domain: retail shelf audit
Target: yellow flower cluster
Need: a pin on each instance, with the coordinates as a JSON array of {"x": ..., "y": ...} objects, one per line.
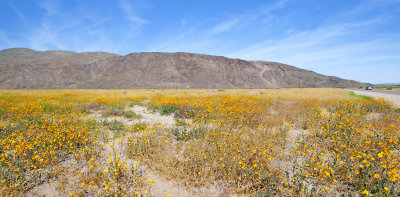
[
  {"x": 298, "y": 147},
  {"x": 35, "y": 133},
  {"x": 247, "y": 144}
]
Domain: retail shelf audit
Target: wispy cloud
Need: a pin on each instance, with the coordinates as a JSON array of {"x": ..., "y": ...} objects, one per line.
[
  {"x": 225, "y": 26},
  {"x": 4, "y": 40},
  {"x": 50, "y": 6},
  {"x": 130, "y": 13},
  {"x": 20, "y": 15},
  {"x": 138, "y": 20},
  {"x": 200, "y": 37},
  {"x": 45, "y": 35},
  {"x": 328, "y": 49},
  {"x": 243, "y": 19},
  {"x": 302, "y": 42},
  {"x": 330, "y": 38},
  {"x": 79, "y": 30},
  {"x": 183, "y": 41}
]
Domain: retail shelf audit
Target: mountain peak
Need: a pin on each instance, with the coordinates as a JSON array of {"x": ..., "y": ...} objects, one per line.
[{"x": 26, "y": 68}]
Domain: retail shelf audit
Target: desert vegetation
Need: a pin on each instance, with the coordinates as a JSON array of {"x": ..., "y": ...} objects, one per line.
[{"x": 293, "y": 142}]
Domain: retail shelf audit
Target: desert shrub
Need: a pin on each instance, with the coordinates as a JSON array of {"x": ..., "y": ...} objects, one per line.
[
  {"x": 297, "y": 147},
  {"x": 245, "y": 145},
  {"x": 84, "y": 110},
  {"x": 131, "y": 114},
  {"x": 180, "y": 122},
  {"x": 34, "y": 136},
  {"x": 114, "y": 125},
  {"x": 95, "y": 107},
  {"x": 188, "y": 135},
  {"x": 120, "y": 113},
  {"x": 138, "y": 127},
  {"x": 184, "y": 113},
  {"x": 167, "y": 109},
  {"x": 135, "y": 103}
]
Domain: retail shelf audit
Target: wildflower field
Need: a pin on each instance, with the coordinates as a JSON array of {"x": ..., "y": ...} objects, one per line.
[{"x": 286, "y": 142}]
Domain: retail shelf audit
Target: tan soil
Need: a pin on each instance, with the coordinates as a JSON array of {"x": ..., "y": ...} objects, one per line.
[{"x": 160, "y": 187}]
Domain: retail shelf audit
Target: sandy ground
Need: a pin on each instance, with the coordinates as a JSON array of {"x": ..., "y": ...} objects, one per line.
[
  {"x": 160, "y": 186},
  {"x": 391, "y": 97},
  {"x": 148, "y": 117}
]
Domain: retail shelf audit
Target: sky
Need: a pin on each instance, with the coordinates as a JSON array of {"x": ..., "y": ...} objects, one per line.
[{"x": 356, "y": 39}]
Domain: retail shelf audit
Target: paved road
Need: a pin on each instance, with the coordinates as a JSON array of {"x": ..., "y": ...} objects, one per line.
[
  {"x": 391, "y": 95},
  {"x": 395, "y": 92}
]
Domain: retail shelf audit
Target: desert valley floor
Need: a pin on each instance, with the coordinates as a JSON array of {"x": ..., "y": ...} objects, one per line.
[{"x": 206, "y": 142}]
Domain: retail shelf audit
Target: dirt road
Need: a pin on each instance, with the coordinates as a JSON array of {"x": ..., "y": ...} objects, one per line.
[{"x": 393, "y": 96}]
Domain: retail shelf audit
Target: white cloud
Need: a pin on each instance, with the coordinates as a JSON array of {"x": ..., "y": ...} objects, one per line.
[
  {"x": 168, "y": 44},
  {"x": 333, "y": 50},
  {"x": 138, "y": 20},
  {"x": 224, "y": 26},
  {"x": 78, "y": 30},
  {"x": 44, "y": 39},
  {"x": 50, "y": 6},
  {"x": 130, "y": 13},
  {"x": 4, "y": 40},
  {"x": 46, "y": 35},
  {"x": 20, "y": 15},
  {"x": 306, "y": 42},
  {"x": 247, "y": 17}
]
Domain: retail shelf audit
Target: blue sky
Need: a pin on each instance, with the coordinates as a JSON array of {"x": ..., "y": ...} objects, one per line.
[{"x": 357, "y": 40}]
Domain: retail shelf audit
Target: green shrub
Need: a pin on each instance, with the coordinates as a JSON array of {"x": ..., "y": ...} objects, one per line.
[
  {"x": 188, "y": 135},
  {"x": 47, "y": 106},
  {"x": 140, "y": 126},
  {"x": 180, "y": 122},
  {"x": 135, "y": 103},
  {"x": 114, "y": 125},
  {"x": 84, "y": 110},
  {"x": 119, "y": 113},
  {"x": 167, "y": 109}
]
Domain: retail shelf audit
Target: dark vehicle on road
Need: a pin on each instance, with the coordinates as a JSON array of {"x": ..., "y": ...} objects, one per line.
[{"x": 368, "y": 88}]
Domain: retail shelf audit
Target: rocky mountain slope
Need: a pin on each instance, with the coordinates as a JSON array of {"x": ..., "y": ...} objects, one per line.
[{"x": 24, "y": 68}]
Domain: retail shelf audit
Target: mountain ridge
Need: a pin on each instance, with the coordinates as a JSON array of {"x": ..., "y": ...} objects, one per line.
[{"x": 22, "y": 68}]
